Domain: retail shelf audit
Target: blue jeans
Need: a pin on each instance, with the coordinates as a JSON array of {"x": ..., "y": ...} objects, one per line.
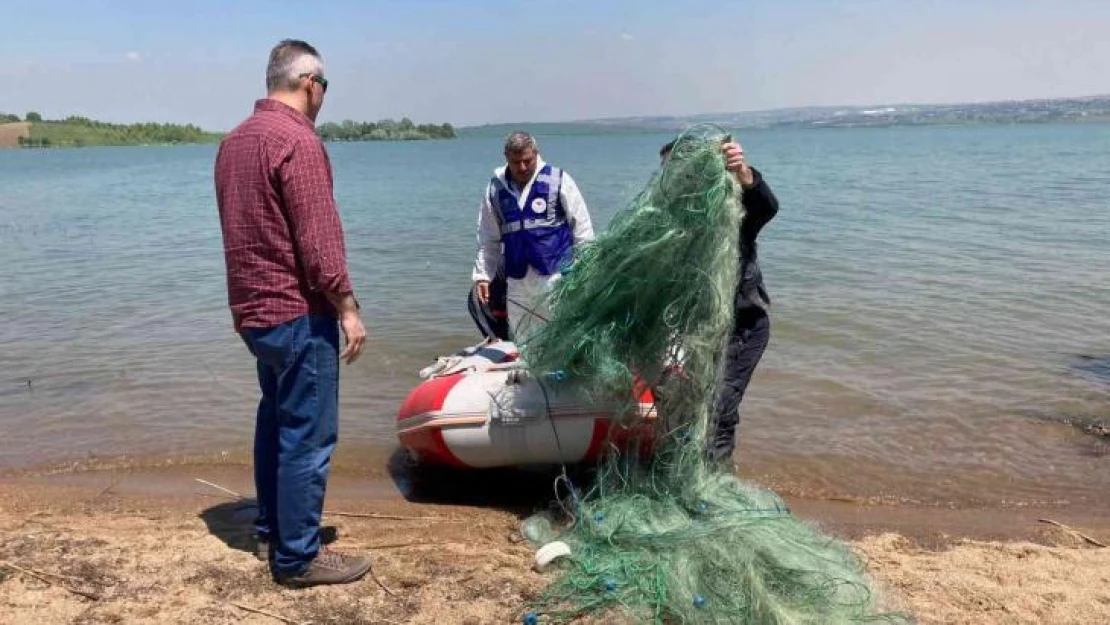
[{"x": 295, "y": 434}]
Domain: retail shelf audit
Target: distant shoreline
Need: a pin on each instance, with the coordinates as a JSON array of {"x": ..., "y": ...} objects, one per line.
[
  {"x": 9, "y": 132},
  {"x": 1071, "y": 110},
  {"x": 579, "y": 128},
  {"x": 77, "y": 132}
]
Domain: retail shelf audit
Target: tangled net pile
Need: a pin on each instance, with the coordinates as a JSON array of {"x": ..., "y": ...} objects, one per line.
[{"x": 666, "y": 537}]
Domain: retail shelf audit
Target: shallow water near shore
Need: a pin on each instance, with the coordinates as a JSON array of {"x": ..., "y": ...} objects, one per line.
[{"x": 939, "y": 294}]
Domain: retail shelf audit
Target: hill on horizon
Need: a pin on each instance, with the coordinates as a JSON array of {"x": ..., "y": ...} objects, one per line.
[{"x": 1083, "y": 108}]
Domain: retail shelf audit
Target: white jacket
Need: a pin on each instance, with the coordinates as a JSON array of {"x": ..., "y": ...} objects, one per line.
[{"x": 489, "y": 229}]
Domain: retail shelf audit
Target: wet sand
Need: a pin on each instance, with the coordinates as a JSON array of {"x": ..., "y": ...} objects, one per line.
[{"x": 154, "y": 545}]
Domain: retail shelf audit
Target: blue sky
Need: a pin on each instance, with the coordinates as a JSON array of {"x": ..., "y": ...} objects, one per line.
[{"x": 471, "y": 62}]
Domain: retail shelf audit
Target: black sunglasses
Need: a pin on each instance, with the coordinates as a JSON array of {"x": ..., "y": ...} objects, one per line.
[{"x": 320, "y": 80}]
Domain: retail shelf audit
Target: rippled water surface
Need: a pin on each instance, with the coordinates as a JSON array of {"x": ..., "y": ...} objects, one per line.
[{"x": 941, "y": 301}]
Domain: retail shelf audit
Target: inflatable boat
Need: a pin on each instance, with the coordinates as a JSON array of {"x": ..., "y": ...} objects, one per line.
[{"x": 480, "y": 408}]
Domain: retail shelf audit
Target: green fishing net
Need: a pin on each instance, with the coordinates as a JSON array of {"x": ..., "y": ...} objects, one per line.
[{"x": 662, "y": 535}]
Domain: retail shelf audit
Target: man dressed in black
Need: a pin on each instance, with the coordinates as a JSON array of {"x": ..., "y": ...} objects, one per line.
[{"x": 751, "y": 327}]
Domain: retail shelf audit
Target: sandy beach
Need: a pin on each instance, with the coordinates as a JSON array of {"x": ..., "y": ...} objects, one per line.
[
  {"x": 154, "y": 545},
  {"x": 11, "y": 132}
]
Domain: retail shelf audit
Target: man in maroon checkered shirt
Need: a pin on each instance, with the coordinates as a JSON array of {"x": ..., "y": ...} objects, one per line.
[{"x": 290, "y": 294}]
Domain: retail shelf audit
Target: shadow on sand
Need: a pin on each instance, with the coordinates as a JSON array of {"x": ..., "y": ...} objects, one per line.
[
  {"x": 233, "y": 523},
  {"x": 519, "y": 490}
]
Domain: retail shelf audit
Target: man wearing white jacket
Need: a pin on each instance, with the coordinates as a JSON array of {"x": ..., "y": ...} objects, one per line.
[{"x": 532, "y": 217}]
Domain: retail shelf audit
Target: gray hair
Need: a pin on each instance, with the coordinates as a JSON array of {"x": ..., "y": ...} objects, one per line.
[
  {"x": 519, "y": 141},
  {"x": 288, "y": 60}
]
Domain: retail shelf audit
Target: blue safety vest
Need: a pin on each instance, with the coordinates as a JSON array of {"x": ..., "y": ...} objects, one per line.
[{"x": 538, "y": 235}]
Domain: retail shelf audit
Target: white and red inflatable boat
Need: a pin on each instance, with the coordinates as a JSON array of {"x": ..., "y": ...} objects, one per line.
[{"x": 480, "y": 408}]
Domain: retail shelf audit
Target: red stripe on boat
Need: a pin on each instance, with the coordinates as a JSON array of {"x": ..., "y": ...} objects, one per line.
[
  {"x": 620, "y": 436},
  {"x": 642, "y": 391},
  {"x": 428, "y": 396},
  {"x": 430, "y": 447}
]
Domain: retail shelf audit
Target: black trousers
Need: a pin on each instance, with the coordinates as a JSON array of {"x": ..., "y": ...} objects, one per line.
[
  {"x": 746, "y": 343},
  {"x": 492, "y": 318}
]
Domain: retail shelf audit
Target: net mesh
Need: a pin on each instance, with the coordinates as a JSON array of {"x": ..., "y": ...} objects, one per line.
[{"x": 667, "y": 536}]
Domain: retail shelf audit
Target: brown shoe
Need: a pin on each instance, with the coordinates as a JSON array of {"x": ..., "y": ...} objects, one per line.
[{"x": 329, "y": 567}]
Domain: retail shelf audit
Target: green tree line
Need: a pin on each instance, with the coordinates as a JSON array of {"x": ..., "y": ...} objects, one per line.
[
  {"x": 27, "y": 142},
  {"x": 6, "y": 118},
  {"x": 78, "y": 131},
  {"x": 385, "y": 130}
]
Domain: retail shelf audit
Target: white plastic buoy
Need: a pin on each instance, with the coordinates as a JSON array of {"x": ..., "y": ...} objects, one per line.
[{"x": 550, "y": 552}]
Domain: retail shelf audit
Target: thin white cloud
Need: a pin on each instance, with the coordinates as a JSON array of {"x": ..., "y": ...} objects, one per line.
[
  {"x": 627, "y": 37},
  {"x": 133, "y": 56}
]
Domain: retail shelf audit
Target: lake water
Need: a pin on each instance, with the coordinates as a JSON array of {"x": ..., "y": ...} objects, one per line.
[{"x": 940, "y": 298}]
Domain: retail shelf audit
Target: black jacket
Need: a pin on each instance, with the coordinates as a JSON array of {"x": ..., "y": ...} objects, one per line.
[{"x": 760, "y": 207}]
